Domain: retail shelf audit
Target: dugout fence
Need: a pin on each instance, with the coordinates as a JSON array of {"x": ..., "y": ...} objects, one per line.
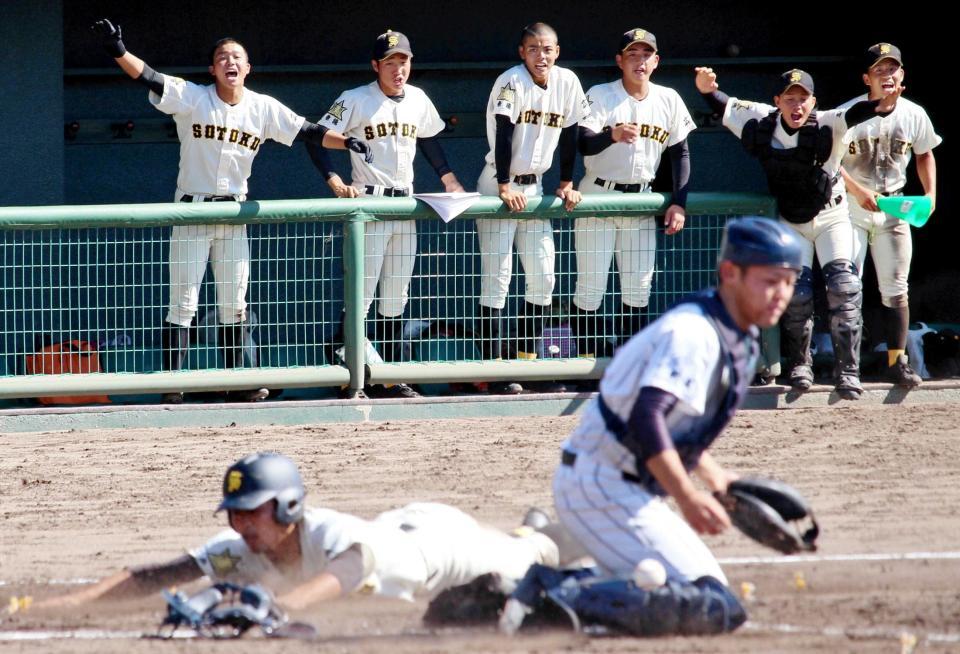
[{"x": 98, "y": 275}]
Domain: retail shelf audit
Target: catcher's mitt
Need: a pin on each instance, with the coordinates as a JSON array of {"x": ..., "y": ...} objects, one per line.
[
  {"x": 227, "y": 610},
  {"x": 768, "y": 511}
]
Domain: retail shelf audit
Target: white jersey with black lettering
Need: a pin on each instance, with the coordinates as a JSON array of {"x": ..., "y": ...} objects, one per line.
[
  {"x": 390, "y": 127},
  {"x": 538, "y": 114},
  {"x": 218, "y": 141},
  {"x": 739, "y": 112},
  {"x": 878, "y": 150},
  {"x": 663, "y": 120}
]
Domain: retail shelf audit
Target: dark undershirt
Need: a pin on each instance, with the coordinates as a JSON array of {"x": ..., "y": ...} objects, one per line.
[{"x": 646, "y": 434}]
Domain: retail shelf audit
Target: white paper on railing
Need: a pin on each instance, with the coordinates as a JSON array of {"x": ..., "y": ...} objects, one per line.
[{"x": 448, "y": 205}]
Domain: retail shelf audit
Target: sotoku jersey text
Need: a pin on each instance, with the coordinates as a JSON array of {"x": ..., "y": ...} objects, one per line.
[
  {"x": 382, "y": 130},
  {"x": 224, "y": 134}
]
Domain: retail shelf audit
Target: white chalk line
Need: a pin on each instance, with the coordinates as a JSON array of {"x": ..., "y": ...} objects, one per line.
[
  {"x": 883, "y": 633},
  {"x": 831, "y": 558},
  {"x": 740, "y": 560}
]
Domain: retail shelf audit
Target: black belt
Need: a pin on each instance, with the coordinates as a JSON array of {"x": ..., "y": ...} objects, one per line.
[
  {"x": 888, "y": 194},
  {"x": 210, "y": 198},
  {"x": 623, "y": 188},
  {"x": 833, "y": 202},
  {"x": 568, "y": 458},
  {"x": 525, "y": 180},
  {"x": 387, "y": 191}
]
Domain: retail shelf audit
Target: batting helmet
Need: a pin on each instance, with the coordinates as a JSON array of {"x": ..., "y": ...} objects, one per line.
[
  {"x": 754, "y": 241},
  {"x": 261, "y": 477}
]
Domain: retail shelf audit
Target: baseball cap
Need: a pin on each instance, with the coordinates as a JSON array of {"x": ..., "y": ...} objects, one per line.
[
  {"x": 877, "y": 53},
  {"x": 794, "y": 77},
  {"x": 637, "y": 35},
  {"x": 389, "y": 43}
]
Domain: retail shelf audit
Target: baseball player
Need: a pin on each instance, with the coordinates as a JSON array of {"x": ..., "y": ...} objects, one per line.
[
  {"x": 632, "y": 122},
  {"x": 668, "y": 393},
  {"x": 534, "y": 107},
  {"x": 393, "y": 118},
  {"x": 875, "y": 163},
  {"x": 800, "y": 151},
  {"x": 307, "y": 555},
  {"x": 221, "y": 127}
]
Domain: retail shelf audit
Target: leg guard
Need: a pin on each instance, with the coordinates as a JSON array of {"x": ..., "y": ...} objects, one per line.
[
  {"x": 488, "y": 333},
  {"x": 705, "y": 606},
  {"x": 796, "y": 325},
  {"x": 844, "y": 300}
]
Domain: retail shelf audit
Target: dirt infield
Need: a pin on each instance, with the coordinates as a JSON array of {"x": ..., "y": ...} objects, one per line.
[{"x": 885, "y": 481}]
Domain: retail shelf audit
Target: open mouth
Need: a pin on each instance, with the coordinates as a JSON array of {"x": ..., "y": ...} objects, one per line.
[
  {"x": 232, "y": 74},
  {"x": 796, "y": 116},
  {"x": 889, "y": 85}
]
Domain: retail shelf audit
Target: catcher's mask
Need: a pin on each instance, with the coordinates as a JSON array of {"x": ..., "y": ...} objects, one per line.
[
  {"x": 754, "y": 241},
  {"x": 261, "y": 477}
]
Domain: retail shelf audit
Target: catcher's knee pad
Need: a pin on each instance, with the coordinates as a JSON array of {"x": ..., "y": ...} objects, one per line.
[
  {"x": 897, "y": 301},
  {"x": 844, "y": 289}
]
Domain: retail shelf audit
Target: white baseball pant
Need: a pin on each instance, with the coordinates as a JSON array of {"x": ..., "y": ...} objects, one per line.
[
  {"x": 227, "y": 249},
  {"x": 891, "y": 248},
  {"x": 634, "y": 240},
  {"x": 829, "y": 234},
  {"x": 457, "y": 549},
  {"x": 534, "y": 242},
  {"x": 390, "y": 253},
  {"x": 620, "y": 524}
]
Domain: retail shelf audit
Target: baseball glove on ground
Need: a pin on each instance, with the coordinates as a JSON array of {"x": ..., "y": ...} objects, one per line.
[{"x": 768, "y": 511}]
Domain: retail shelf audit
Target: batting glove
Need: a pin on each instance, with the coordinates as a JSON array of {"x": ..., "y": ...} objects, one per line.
[
  {"x": 356, "y": 145},
  {"x": 112, "y": 39}
]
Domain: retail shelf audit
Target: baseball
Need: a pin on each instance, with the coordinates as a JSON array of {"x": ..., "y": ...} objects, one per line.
[{"x": 649, "y": 574}]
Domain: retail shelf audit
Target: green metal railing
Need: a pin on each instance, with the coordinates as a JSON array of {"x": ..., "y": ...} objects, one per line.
[{"x": 97, "y": 274}]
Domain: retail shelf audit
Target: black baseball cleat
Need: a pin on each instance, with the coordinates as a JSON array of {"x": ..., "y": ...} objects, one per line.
[
  {"x": 172, "y": 398},
  {"x": 801, "y": 378},
  {"x": 901, "y": 374},
  {"x": 252, "y": 395},
  {"x": 504, "y": 388},
  {"x": 546, "y": 387},
  {"x": 849, "y": 388},
  {"x": 394, "y": 392}
]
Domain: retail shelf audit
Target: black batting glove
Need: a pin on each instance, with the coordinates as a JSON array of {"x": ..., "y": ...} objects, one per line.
[
  {"x": 111, "y": 37},
  {"x": 356, "y": 145}
]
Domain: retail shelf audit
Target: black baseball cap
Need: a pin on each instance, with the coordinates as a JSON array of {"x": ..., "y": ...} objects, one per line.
[
  {"x": 637, "y": 35},
  {"x": 877, "y": 53},
  {"x": 389, "y": 43},
  {"x": 794, "y": 77}
]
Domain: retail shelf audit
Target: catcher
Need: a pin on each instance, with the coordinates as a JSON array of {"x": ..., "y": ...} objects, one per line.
[{"x": 308, "y": 555}]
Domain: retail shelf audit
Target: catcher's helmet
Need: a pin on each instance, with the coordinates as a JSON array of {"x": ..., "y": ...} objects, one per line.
[
  {"x": 754, "y": 241},
  {"x": 261, "y": 477}
]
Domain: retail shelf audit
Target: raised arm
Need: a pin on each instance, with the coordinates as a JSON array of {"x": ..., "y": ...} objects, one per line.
[{"x": 135, "y": 67}]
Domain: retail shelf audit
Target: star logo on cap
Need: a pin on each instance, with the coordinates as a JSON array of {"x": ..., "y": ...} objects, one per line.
[
  {"x": 884, "y": 48},
  {"x": 336, "y": 111},
  {"x": 795, "y": 76},
  {"x": 392, "y": 41},
  {"x": 234, "y": 481},
  {"x": 639, "y": 35},
  {"x": 223, "y": 564}
]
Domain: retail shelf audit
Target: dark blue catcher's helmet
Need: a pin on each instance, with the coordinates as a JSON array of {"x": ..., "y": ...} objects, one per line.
[
  {"x": 755, "y": 241},
  {"x": 261, "y": 477}
]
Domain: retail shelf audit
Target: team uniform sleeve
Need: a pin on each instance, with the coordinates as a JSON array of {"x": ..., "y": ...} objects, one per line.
[
  {"x": 431, "y": 123},
  {"x": 686, "y": 352},
  {"x": 578, "y": 108},
  {"x": 340, "y": 114},
  {"x": 505, "y": 99},
  {"x": 926, "y": 138},
  {"x": 282, "y": 124},
  {"x": 682, "y": 121},
  {"x": 739, "y": 112},
  {"x": 597, "y": 118},
  {"x": 179, "y": 96},
  {"x": 225, "y": 557}
]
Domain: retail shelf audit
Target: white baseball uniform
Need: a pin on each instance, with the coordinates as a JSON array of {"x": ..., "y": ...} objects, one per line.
[
  {"x": 599, "y": 495},
  {"x": 420, "y": 548},
  {"x": 829, "y": 232},
  {"x": 391, "y": 129},
  {"x": 538, "y": 115},
  {"x": 664, "y": 121},
  {"x": 218, "y": 142},
  {"x": 877, "y": 154}
]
